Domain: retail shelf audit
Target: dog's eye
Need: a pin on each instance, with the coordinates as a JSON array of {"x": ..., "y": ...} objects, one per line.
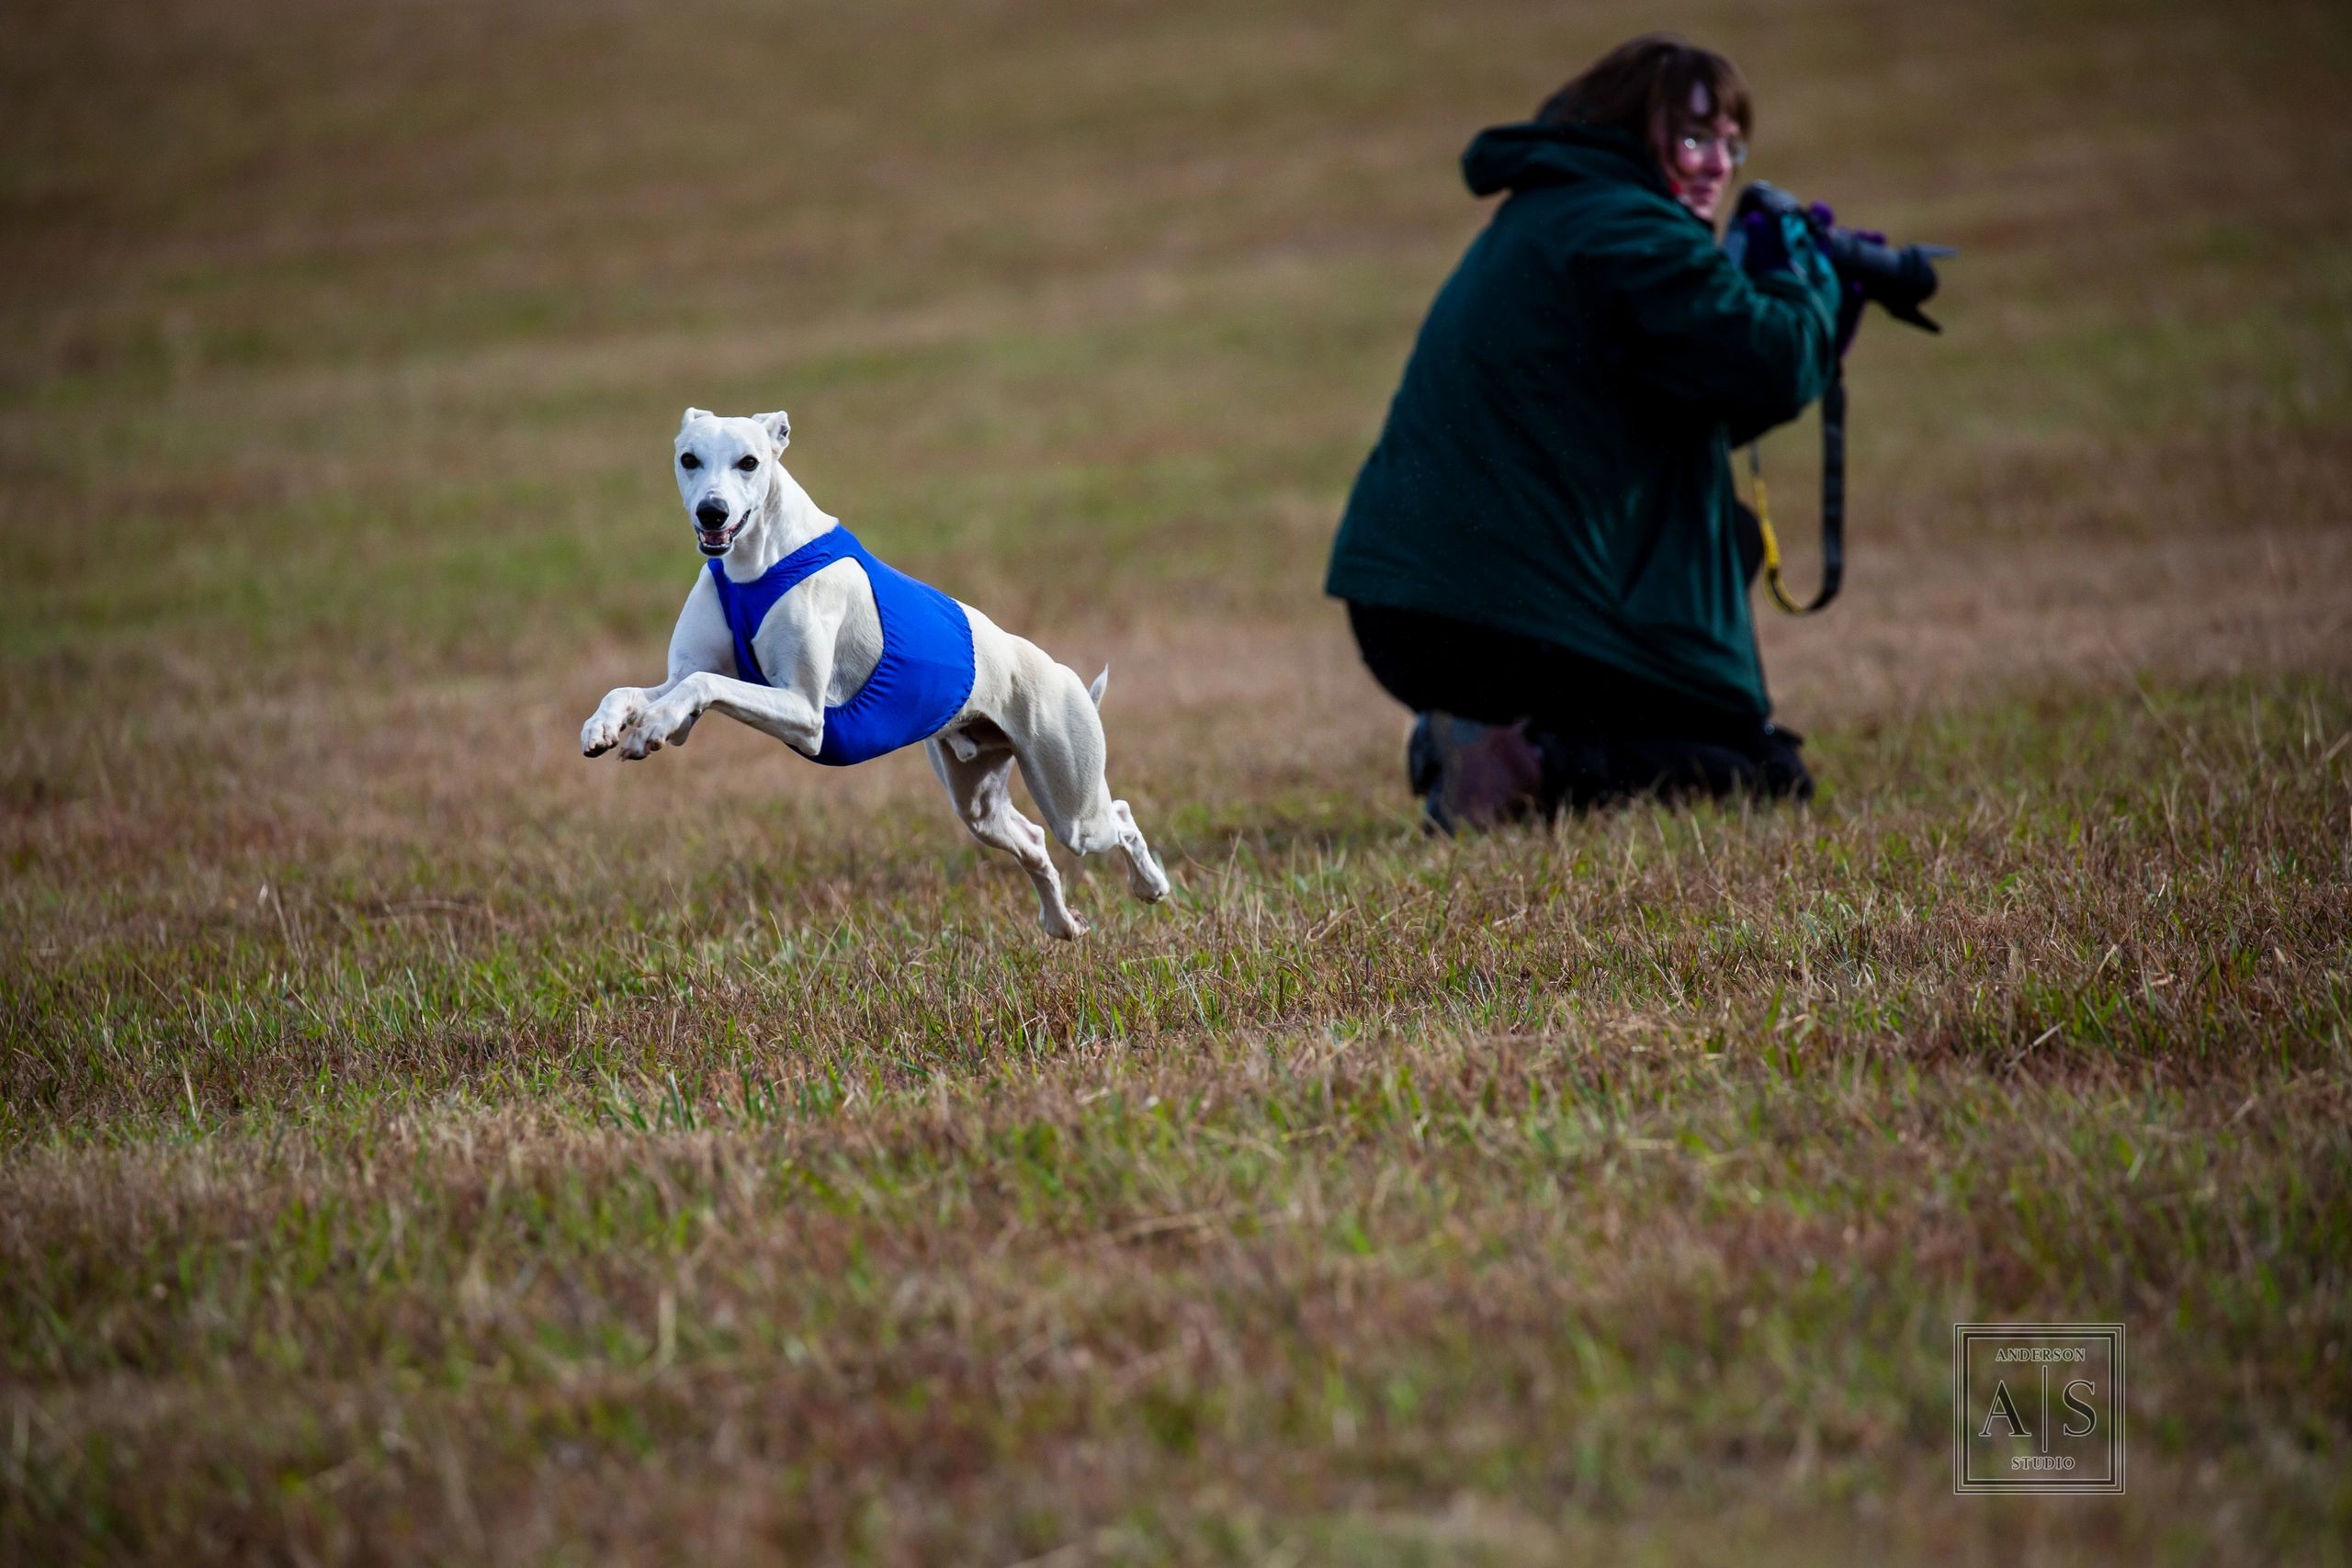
[
  {"x": 747, "y": 463},
  {"x": 690, "y": 461}
]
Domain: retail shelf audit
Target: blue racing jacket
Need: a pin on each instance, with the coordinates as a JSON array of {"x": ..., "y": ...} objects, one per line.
[{"x": 924, "y": 678}]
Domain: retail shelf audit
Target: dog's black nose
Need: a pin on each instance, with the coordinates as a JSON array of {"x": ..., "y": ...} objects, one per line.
[{"x": 711, "y": 514}]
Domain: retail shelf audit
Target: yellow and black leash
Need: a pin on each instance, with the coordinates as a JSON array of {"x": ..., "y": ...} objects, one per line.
[{"x": 1833, "y": 508}]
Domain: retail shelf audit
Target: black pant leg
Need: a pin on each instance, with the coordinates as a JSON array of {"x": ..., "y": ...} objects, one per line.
[
  {"x": 1496, "y": 677},
  {"x": 1435, "y": 663},
  {"x": 1604, "y": 735}
]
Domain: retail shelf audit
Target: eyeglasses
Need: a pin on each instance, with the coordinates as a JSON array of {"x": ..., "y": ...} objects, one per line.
[{"x": 1694, "y": 145}]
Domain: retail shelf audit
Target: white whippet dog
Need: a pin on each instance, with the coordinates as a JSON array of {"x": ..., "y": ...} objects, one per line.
[{"x": 834, "y": 637}]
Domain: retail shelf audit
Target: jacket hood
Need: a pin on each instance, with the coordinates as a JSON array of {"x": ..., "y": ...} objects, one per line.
[{"x": 1520, "y": 157}]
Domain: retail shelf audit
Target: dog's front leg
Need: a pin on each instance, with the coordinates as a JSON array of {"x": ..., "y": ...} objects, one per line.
[
  {"x": 796, "y": 645},
  {"x": 700, "y": 641},
  {"x": 780, "y": 711}
]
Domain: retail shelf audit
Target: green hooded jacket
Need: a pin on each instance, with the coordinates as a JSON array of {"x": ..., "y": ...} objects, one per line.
[{"x": 1557, "y": 460}]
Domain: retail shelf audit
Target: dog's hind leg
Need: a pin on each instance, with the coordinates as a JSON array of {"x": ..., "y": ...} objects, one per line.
[
  {"x": 1145, "y": 879},
  {"x": 1062, "y": 754},
  {"x": 980, "y": 788}
]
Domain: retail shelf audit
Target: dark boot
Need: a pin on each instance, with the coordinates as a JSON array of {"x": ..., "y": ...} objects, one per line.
[{"x": 1473, "y": 775}]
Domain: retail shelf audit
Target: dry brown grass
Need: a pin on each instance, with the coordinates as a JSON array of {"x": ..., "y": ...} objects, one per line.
[{"x": 418, "y": 1143}]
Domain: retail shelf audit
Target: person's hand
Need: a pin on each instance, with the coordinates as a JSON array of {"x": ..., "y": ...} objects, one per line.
[
  {"x": 1766, "y": 241},
  {"x": 1756, "y": 244}
]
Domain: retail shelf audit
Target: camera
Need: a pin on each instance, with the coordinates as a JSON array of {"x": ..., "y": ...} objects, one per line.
[{"x": 1899, "y": 278}]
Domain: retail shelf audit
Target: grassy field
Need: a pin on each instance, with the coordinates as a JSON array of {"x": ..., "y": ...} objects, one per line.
[{"x": 419, "y": 1143}]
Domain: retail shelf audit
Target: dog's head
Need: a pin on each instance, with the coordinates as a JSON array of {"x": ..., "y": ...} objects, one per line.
[{"x": 726, "y": 468}]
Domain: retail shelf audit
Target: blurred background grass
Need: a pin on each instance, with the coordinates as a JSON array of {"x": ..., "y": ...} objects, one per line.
[{"x": 332, "y": 329}]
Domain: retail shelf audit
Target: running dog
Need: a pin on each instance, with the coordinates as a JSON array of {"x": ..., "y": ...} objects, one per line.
[{"x": 797, "y": 631}]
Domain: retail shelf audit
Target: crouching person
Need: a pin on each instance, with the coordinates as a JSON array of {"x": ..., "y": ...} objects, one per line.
[{"x": 1543, "y": 556}]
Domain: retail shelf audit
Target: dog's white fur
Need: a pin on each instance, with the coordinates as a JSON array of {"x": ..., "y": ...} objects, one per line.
[{"x": 822, "y": 641}]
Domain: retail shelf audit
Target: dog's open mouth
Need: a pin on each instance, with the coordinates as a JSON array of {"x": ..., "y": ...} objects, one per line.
[{"x": 714, "y": 541}]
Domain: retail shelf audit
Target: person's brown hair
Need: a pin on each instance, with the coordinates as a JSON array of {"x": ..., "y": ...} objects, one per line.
[{"x": 1643, "y": 86}]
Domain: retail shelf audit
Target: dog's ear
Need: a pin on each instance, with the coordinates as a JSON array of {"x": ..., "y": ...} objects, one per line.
[
  {"x": 691, "y": 415},
  {"x": 779, "y": 427}
]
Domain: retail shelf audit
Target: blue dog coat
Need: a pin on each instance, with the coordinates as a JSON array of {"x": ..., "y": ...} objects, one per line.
[{"x": 924, "y": 676}]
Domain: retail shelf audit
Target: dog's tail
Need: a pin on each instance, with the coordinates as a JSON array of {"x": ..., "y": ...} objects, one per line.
[{"x": 1102, "y": 681}]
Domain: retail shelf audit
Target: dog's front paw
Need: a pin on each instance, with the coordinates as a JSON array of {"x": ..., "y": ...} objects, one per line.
[
  {"x": 611, "y": 720},
  {"x": 666, "y": 723}
]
